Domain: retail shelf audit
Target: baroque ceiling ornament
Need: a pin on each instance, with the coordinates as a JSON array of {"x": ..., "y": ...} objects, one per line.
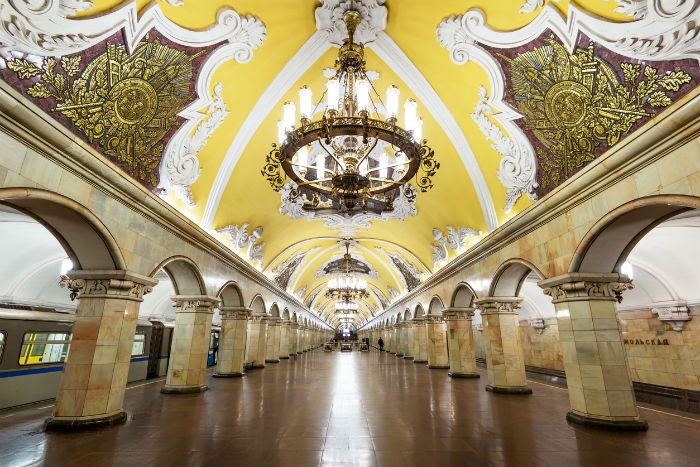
[
  {"x": 409, "y": 274},
  {"x": 347, "y": 226},
  {"x": 124, "y": 103},
  {"x": 454, "y": 240},
  {"x": 518, "y": 166},
  {"x": 329, "y": 19},
  {"x": 240, "y": 240},
  {"x": 180, "y": 165}
]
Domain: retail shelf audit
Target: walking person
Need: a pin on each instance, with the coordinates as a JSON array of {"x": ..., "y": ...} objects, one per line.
[{"x": 381, "y": 344}]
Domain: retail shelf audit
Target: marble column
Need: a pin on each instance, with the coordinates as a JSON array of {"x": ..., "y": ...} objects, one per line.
[
  {"x": 301, "y": 333},
  {"x": 505, "y": 365},
  {"x": 408, "y": 340},
  {"x": 91, "y": 391},
  {"x": 256, "y": 344},
  {"x": 398, "y": 345},
  {"x": 420, "y": 341},
  {"x": 460, "y": 342},
  {"x": 597, "y": 374},
  {"x": 232, "y": 341},
  {"x": 187, "y": 368},
  {"x": 437, "y": 342},
  {"x": 284, "y": 339},
  {"x": 293, "y": 336},
  {"x": 272, "y": 353}
]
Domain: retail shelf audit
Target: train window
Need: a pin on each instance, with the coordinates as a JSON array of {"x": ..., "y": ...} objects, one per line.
[
  {"x": 139, "y": 346},
  {"x": 44, "y": 347},
  {"x": 3, "y": 335}
]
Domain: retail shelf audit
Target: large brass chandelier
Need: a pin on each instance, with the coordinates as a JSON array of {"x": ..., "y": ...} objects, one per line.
[
  {"x": 351, "y": 156},
  {"x": 347, "y": 288}
]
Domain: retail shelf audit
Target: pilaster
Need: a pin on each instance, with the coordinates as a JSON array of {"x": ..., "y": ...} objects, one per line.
[
  {"x": 420, "y": 341},
  {"x": 437, "y": 342},
  {"x": 232, "y": 340},
  {"x": 398, "y": 336},
  {"x": 407, "y": 329},
  {"x": 272, "y": 354},
  {"x": 597, "y": 374},
  {"x": 505, "y": 365},
  {"x": 284, "y": 339},
  {"x": 256, "y": 343},
  {"x": 91, "y": 391},
  {"x": 460, "y": 342},
  {"x": 187, "y": 368}
]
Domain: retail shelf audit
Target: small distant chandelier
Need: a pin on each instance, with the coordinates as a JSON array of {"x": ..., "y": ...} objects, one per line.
[
  {"x": 359, "y": 158},
  {"x": 346, "y": 307},
  {"x": 347, "y": 288}
]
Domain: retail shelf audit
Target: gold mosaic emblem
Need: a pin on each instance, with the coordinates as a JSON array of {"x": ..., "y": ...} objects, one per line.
[
  {"x": 574, "y": 103},
  {"x": 126, "y": 103}
]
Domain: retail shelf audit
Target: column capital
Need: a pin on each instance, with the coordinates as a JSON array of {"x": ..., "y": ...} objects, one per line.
[
  {"x": 259, "y": 318},
  {"x": 434, "y": 318},
  {"x": 195, "y": 303},
  {"x": 584, "y": 286},
  {"x": 455, "y": 313},
  {"x": 235, "y": 312},
  {"x": 418, "y": 319},
  {"x": 274, "y": 321},
  {"x": 498, "y": 305},
  {"x": 114, "y": 284}
]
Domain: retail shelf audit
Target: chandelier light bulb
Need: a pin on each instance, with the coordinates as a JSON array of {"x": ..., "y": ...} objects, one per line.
[
  {"x": 333, "y": 89},
  {"x": 392, "y": 102},
  {"x": 418, "y": 130},
  {"x": 281, "y": 131},
  {"x": 362, "y": 86},
  {"x": 410, "y": 115},
  {"x": 402, "y": 161},
  {"x": 382, "y": 165},
  {"x": 305, "y": 104},
  {"x": 320, "y": 166},
  {"x": 303, "y": 160},
  {"x": 289, "y": 115}
]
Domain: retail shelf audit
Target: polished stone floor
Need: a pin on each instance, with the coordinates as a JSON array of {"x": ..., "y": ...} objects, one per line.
[{"x": 356, "y": 409}]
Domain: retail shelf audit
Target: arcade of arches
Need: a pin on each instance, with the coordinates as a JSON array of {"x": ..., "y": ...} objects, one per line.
[{"x": 592, "y": 286}]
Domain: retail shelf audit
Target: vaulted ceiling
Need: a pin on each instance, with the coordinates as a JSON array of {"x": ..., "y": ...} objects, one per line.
[{"x": 245, "y": 58}]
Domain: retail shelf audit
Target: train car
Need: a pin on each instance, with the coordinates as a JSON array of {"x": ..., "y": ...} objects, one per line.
[
  {"x": 213, "y": 346},
  {"x": 33, "y": 348}
]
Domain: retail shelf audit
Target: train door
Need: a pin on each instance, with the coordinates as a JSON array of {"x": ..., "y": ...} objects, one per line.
[{"x": 154, "y": 349}]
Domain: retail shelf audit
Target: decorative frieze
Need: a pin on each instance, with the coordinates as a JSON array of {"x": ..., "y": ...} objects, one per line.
[
  {"x": 538, "y": 325},
  {"x": 235, "y": 312},
  {"x": 454, "y": 314},
  {"x": 676, "y": 315},
  {"x": 99, "y": 284},
  {"x": 499, "y": 305},
  {"x": 195, "y": 303},
  {"x": 586, "y": 286}
]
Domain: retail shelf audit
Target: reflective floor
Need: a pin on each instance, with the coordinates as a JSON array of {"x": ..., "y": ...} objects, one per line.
[{"x": 357, "y": 409}]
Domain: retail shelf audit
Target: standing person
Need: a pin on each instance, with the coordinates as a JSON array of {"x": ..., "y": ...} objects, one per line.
[{"x": 381, "y": 344}]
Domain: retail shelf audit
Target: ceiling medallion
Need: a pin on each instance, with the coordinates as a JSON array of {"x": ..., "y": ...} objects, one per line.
[
  {"x": 347, "y": 288},
  {"x": 339, "y": 158}
]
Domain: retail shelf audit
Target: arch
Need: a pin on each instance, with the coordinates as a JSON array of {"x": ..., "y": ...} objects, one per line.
[
  {"x": 82, "y": 235},
  {"x": 285, "y": 314},
  {"x": 407, "y": 315},
  {"x": 419, "y": 311},
  {"x": 463, "y": 296},
  {"x": 275, "y": 311},
  {"x": 295, "y": 319},
  {"x": 230, "y": 295},
  {"x": 436, "y": 306},
  {"x": 258, "y": 305},
  {"x": 510, "y": 276},
  {"x": 606, "y": 245},
  {"x": 184, "y": 275},
  {"x": 399, "y": 318}
]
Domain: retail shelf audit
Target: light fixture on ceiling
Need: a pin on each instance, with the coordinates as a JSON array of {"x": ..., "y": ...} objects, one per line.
[
  {"x": 347, "y": 288},
  {"x": 359, "y": 158},
  {"x": 346, "y": 307}
]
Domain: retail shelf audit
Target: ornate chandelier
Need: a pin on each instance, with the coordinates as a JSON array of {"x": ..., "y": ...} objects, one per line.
[
  {"x": 351, "y": 157},
  {"x": 347, "y": 288},
  {"x": 346, "y": 307}
]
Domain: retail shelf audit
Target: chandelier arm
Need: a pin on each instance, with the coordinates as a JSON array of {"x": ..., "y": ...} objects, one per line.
[
  {"x": 363, "y": 158},
  {"x": 311, "y": 182}
]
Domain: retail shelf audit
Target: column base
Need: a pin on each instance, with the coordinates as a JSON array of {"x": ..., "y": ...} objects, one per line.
[
  {"x": 619, "y": 425},
  {"x": 272, "y": 361},
  {"x": 299, "y": 353},
  {"x": 284, "y": 357},
  {"x": 509, "y": 390},
  {"x": 420, "y": 361},
  {"x": 439, "y": 367},
  {"x": 81, "y": 423},
  {"x": 464, "y": 375},
  {"x": 399, "y": 355},
  {"x": 407, "y": 357},
  {"x": 183, "y": 389},
  {"x": 229, "y": 375}
]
